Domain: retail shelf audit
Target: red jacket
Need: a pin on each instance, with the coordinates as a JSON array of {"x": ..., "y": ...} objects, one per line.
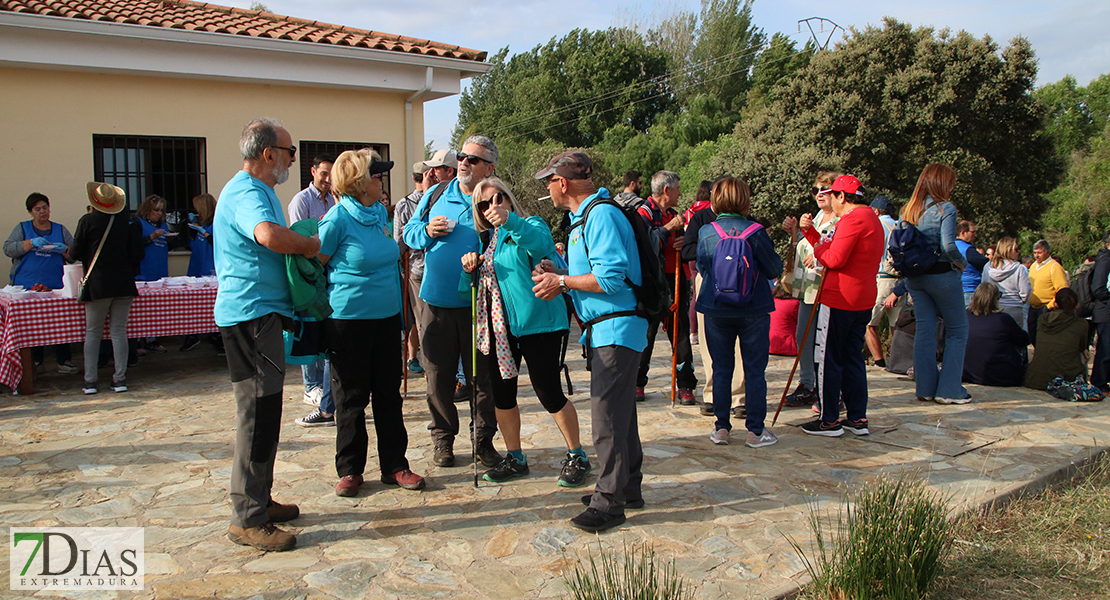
[
  {"x": 657, "y": 218},
  {"x": 851, "y": 259}
]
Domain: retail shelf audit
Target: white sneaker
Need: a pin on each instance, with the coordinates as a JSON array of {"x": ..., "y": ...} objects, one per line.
[
  {"x": 764, "y": 439},
  {"x": 68, "y": 369},
  {"x": 940, "y": 400},
  {"x": 719, "y": 436},
  {"x": 312, "y": 397}
]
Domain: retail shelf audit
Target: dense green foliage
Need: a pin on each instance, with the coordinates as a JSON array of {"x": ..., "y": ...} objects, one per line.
[{"x": 1080, "y": 210}]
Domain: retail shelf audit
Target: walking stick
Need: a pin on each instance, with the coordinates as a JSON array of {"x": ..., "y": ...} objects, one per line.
[
  {"x": 474, "y": 370},
  {"x": 801, "y": 348},
  {"x": 674, "y": 325},
  {"x": 404, "y": 320}
]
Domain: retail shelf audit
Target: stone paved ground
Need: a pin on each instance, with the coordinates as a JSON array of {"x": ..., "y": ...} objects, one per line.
[{"x": 159, "y": 457}]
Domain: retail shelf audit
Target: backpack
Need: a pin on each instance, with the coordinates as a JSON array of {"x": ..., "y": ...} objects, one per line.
[
  {"x": 653, "y": 295},
  {"x": 910, "y": 252},
  {"x": 436, "y": 192},
  {"x": 1081, "y": 285},
  {"x": 734, "y": 267}
]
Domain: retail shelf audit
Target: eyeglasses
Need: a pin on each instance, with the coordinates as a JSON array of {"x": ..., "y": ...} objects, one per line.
[
  {"x": 820, "y": 190},
  {"x": 292, "y": 150},
  {"x": 473, "y": 159},
  {"x": 377, "y": 175},
  {"x": 498, "y": 199}
]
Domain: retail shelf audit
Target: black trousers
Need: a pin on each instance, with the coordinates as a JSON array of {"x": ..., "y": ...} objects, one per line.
[
  {"x": 685, "y": 358},
  {"x": 366, "y": 370},
  {"x": 841, "y": 370}
]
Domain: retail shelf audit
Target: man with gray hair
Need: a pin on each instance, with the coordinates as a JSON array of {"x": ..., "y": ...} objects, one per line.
[
  {"x": 442, "y": 225},
  {"x": 667, "y": 230},
  {"x": 1046, "y": 276},
  {"x": 253, "y": 304}
]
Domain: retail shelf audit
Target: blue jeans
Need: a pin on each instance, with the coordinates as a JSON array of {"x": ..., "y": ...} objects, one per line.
[
  {"x": 318, "y": 375},
  {"x": 754, "y": 333},
  {"x": 932, "y": 294}
]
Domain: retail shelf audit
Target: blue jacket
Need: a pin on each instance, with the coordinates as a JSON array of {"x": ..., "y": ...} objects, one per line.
[
  {"x": 940, "y": 228},
  {"x": 522, "y": 244},
  {"x": 443, "y": 255},
  {"x": 766, "y": 259},
  {"x": 971, "y": 277}
]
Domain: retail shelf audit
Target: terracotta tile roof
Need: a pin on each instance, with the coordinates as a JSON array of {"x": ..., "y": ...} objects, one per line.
[{"x": 184, "y": 14}]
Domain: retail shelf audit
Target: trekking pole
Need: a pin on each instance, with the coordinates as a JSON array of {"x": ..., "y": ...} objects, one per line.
[
  {"x": 674, "y": 325},
  {"x": 474, "y": 370},
  {"x": 801, "y": 348},
  {"x": 404, "y": 320}
]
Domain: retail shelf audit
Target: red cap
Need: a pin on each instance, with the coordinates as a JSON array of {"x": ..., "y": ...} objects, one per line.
[{"x": 849, "y": 184}]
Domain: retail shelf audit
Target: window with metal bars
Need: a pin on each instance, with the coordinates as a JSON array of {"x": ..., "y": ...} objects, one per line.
[
  {"x": 175, "y": 168},
  {"x": 309, "y": 150}
]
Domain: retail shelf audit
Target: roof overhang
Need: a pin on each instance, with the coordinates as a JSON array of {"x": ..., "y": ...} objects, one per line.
[{"x": 61, "y": 43}]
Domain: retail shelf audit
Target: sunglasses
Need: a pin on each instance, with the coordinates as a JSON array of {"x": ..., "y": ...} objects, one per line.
[
  {"x": 820, "y": 190},
  {"x": 473, "y": 159},
  {"x": 292, "y": 150},
  {"x": 498, "y": 199}
]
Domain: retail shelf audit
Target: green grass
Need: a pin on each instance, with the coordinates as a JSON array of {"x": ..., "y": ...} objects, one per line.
[{"x": 636, "y": 576}]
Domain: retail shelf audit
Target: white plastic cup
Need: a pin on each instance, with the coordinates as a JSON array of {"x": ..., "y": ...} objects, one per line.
[{"x": 450, "y": 225}]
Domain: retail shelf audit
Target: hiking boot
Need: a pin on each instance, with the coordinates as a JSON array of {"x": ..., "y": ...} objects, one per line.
[
  {"x": 706, "y": 409},
  {"x": 280, "y": 513},
  {"x": 489, "y": 456},
  {"x": 802, "y": 396},
  {"x": 265, "y": 537},
  {"x": 444, "y": 454},
  {"x": 686, "y": 397},
  {"x": 348, "y": 485},
  {"x": 67, "y": 368},
  {"x": 719, "y": 437},
  {"x": 953, "y": 400},
  {"x": 857, "y": 427},
  {"x": 575, "y": 469},
  {"x": 819, "y": 427},
  {"x": 406, "y": 479},
  {"x": 505, "y": 470},
  {"x": 414, "y": 367},
  {"x": 764, "y": 439},
  {"x": 119, "y": 386},
  {"x": 640, "y": 393},
  {"x": 316, "y": 419},
  {"x": 594, "y": 520}
]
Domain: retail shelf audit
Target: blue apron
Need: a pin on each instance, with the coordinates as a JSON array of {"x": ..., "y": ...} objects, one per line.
[
  {"x": 40, "y": 266},
  {"x": 156, "y": 259},
  {"x": 202, "y": 262}
]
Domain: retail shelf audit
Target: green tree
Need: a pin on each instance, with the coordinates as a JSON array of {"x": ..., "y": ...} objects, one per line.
[
  {"x": 1075, "y": 114},
  {"x": 1080, "y": 207},
  {"x": 889, "y": 100}
]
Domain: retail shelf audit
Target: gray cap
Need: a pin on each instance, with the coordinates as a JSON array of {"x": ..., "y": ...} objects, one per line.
[{"x": 443, "y": 158}]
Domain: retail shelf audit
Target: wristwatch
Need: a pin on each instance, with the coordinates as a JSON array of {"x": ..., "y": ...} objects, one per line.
[{"x": 563, "y": 284}]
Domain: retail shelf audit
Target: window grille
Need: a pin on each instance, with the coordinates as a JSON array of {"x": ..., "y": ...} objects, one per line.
[{"x": 175, "y": 168}]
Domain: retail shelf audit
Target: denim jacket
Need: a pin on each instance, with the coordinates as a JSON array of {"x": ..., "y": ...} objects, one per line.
[{"x": 938, "y": 225}]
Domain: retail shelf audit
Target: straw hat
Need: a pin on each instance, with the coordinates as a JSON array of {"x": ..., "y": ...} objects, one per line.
[{"x": 106, "y": 197}]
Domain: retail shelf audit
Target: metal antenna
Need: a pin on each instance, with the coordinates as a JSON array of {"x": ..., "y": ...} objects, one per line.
[{"x": 820, "y": 29}]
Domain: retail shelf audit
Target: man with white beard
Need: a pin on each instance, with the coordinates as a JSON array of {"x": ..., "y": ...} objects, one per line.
[{"x": 251, "y": 241}]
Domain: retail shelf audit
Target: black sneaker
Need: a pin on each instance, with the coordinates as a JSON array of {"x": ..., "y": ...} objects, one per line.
[
  {"x": 819, "y": 427},
  {"x": 575, "y": 469},
  {"x": 444, "y": 454},
  {"x": 317, "y": 419},
  {"x": 637, "y": 503},
  {"x": 190, "y": 343},
  {"x": 507, "y": 469},
  {"x": 119, "y": 386},
  {"x": 462, "y": 392},
  {"x": 594, "y": 520},
  {"x": 488, "y": 455},
  {"x": 802, "y": 396},
  {"x": 857, "y": 427}
]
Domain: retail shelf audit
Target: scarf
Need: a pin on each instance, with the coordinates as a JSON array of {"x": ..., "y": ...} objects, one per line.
[{"x": 487, "y": 280}]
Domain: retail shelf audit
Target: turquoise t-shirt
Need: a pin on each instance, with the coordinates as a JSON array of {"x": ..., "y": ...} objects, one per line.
[
  {"x": 252, "y": 278},
  {"x": 612, "y": 257},
  {"x": 443, "y": 255},
  {"x": 364, "y": 279}
]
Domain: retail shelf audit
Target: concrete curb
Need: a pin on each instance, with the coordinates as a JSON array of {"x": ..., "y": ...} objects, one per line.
[{"x": 1062, "y": 472}]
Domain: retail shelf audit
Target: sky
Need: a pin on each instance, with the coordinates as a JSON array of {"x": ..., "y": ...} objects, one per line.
[{"x": 1070, "y": 37}]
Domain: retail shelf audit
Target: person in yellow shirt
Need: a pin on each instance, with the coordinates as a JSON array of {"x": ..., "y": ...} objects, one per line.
[{"x": 1047, "y": 277}]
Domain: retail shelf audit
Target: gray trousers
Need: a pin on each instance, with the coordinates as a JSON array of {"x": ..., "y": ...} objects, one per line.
[
  {"x": 256, "y": 360},
  {"x": 419, "y": 311},
  {"x": 807, "y": 368},
  {"x": 616, "y": 432},
  {"x": 95, "y": 313},
  {"x": 446, "y": 338}
]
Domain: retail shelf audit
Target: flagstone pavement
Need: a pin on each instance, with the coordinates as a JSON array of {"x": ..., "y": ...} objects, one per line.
[{"x": 159, "y": 457}]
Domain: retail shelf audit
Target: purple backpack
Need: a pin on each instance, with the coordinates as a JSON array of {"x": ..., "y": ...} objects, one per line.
[{"x": 734, "y": 267}]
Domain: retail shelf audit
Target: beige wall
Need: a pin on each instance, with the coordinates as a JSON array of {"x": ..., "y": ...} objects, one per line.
[{"x": 50, "y": 118}]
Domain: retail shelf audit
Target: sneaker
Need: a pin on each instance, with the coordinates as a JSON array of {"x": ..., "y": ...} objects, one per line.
[
  {"x": 575, "y": 469},
  {"x": 348, "y": 486},
  {"x": 686, "y": 397},
  {"x": 316, "y": 419},
  {"x": 819, "y": 427},
  {"x": 67, "y": 368},
  {"x": 637, "y": 503},
  {"x": 312, "y": 396},
  {"x": 953, "y": 400},
  {"x": 507, "y": 469},
  {"x": 190, "y": 343},
  {"x": 693, "y": 339},
  {"x": 443, "y": 455},
  {"x": 640, "y": 393},
  {"x": 265, "y": 537},
  {"x": 880, "y": 363},
  {"x": 406, "y": 479},
  {"x": 764, "y": 439},
  {"x": 158, "y": 348},
  {"x": 89, "y": 387},
  {"x": 119, "y": 386},
  {"x": 719, "y": 437},
  {"x": 802, "y": 396},
  {"x": 706, "y": 409},
  {"x": 857, "y": 427},
  {"x": 132, "y": 363},
  {"x": 462, "y": 392},
  {"x": 817, "y": 407},
  {"x": 924, "y": 399},
  {"x": 414, "y": 367},
  {"x": 594, "y": 520},
  {"x": 488, "y": 455},
  {"x": 141, "y": 352},
  {"x": 740, "y": 412},
  {"x": 280, "y": 513}
]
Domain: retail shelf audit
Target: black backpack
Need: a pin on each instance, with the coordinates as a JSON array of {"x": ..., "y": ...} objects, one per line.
[
  {"x": 434, "y": 195},
  {"x": 911, "y": 253},
  {"x": 653, "y": 295},
  {"x": 1081, "y": 285}
]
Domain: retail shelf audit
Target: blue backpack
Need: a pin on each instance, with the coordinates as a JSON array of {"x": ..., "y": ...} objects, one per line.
[
  {"x": 734, "y": 267},
  {"x": 911, "y": 253}
]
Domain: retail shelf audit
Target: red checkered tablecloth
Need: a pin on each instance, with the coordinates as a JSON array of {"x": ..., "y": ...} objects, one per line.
[{"x": 51, "y": 320}]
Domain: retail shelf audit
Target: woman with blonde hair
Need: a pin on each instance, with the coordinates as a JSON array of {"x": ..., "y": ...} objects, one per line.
[
  {"x": 938, "y": 291},
  {"x": 151, "y": 217},
  {"x": 364, "y": 289},
  {"x": 1012, "y": 278},
  {"x": 514, "y": 324},
  {"x": 997, "y": 339}
]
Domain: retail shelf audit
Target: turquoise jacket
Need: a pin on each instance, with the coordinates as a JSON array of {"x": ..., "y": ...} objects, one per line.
[{"x": 523, "y": 243}]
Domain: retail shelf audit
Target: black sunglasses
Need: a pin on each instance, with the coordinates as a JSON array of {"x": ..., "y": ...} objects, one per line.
[
  {"x": 499, "y": 199},
  {"x": 292, "y": 150},
  {"x": 473, "y": 159},
  {"x": 820, "y": 190}
]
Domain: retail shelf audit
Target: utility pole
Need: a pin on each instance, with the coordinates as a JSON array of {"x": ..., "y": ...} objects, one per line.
[{"x": 822, "y": 23}]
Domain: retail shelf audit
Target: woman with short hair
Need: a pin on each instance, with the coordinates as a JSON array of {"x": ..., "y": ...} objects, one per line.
[
  {"x": 1012, "y": 278},
  {"x": 998, "y": 341},
  {"x": 1061, "y": 344},
  {"x": 151, "y": 217},
  {"x": 362, "y": 334}
]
